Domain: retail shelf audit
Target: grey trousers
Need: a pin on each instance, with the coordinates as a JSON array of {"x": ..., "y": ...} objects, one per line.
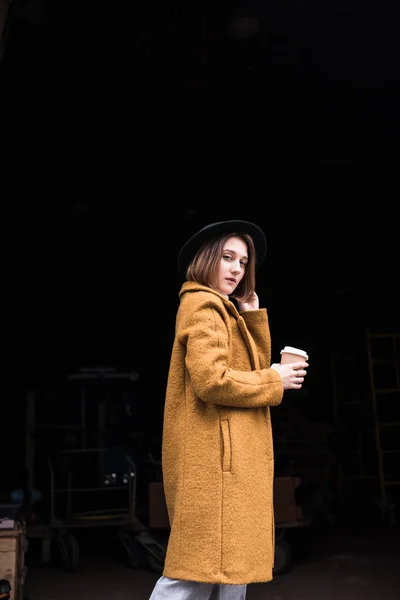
[{"x": 176, "y": 589}]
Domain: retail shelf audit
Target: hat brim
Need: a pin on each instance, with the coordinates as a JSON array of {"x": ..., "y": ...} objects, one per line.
[{"x": 193, "y": 244}]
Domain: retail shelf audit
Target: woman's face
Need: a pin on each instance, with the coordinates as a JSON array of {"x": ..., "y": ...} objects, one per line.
[{"x": 232, "y": 265}]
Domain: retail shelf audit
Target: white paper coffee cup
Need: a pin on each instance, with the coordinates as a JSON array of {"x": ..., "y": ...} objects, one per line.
[{"x": 290, "y": 354}]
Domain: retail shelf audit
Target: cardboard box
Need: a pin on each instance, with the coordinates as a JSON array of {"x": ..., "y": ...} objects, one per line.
[
  {"x": 12, "y": 559},
  {"x": 158, "y": 514},
  {"x": 285, "y": 508}
]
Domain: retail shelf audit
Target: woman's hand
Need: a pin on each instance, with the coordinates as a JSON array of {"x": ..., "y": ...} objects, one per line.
[
  {"x": 251, "y": 304},
  {"x": 292, "y": 374}
]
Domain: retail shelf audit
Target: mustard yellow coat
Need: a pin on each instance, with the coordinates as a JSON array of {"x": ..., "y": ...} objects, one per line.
[{"x": 217, "y": 452}]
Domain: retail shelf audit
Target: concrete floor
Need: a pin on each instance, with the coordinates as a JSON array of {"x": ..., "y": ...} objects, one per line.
[{"x": 342, "y": 566}]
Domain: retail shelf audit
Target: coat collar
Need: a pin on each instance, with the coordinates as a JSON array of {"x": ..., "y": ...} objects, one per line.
[{"x": 193, "y": 286}]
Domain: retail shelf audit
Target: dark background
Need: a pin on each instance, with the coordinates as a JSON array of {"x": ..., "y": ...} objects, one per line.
[{"x": 128, "y": 126}]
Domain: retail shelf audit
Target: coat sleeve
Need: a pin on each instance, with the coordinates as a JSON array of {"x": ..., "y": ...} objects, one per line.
[
  {"x": 257, "y": 324},
  {"x": 206, "y": 337}
]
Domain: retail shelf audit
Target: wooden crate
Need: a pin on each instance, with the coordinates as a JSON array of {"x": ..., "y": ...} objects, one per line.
[{"x": 12, "y": 559}]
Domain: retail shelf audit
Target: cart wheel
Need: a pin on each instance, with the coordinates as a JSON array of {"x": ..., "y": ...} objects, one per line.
[
  {"x": 155, "y": 564},
  {"x": 68, "y": 547},
  {"x": 135, "y": 553},
  {"x": 154, "y": 551},
  {"x": 283, "y": 557}
]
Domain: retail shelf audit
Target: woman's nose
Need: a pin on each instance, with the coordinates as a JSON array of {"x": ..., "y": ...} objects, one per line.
[{"x": 235, "y": 268}]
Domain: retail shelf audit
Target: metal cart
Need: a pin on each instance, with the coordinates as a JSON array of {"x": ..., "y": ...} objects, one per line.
[
  {"x": 90, "y": 488},
  {"x": 288, "y": 515}
]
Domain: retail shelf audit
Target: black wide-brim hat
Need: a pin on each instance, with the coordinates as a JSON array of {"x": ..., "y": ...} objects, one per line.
[{"x": 193, "y": 244}]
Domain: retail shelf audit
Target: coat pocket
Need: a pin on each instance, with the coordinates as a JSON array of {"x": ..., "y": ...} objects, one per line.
[{"x": 226, "y": 445}]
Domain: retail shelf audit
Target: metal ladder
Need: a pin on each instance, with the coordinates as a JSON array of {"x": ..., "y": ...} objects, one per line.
[{"x": 384, "y": 370}]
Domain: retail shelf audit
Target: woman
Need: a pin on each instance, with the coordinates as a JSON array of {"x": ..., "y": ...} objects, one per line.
[{"x": 217, "y": 452}]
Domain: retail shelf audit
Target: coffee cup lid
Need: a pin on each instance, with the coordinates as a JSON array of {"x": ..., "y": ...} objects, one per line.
[{"x": 292, "y": 350}]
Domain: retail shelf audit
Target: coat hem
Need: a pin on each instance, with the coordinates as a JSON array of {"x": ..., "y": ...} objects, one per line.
[{"x": 213, "y": 580}]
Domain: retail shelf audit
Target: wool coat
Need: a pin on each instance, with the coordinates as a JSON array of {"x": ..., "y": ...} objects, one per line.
[{"x": 217, "y": 447}]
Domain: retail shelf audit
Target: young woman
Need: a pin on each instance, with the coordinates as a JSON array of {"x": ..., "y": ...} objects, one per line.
[{"x": 217, "y": 454}]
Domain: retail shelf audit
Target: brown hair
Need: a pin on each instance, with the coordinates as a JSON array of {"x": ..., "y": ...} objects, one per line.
[{"x": 203, "y": 268}]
